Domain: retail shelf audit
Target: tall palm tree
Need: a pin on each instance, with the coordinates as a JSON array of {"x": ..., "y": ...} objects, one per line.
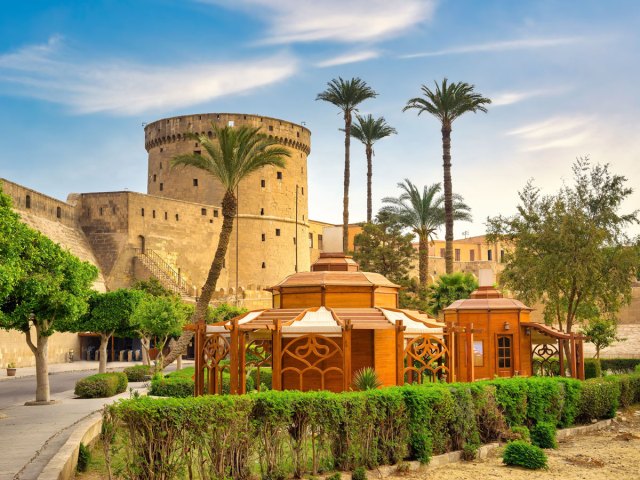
[
  {"x": 346, "y": 95},
  {"x": 424, "y": 213},
  {"x": 233, "y": 154},
  {"x": 448, "y": 102},
  {"x": 369, "y": 130}
]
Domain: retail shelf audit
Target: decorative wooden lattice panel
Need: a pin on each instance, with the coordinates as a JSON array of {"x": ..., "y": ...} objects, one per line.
[
  {"x": 215, "y": 349},
  {"x": 312, "y": 356},
  {"x": 258, "y": 356},
  {"x": 545, "y": 360},
  {"x": 425, "y": 359}
]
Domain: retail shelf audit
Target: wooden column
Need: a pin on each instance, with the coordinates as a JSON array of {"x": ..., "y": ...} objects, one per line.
[
  {"x": 574, "y": 365},
  {"x": 242, "y": 368},
  {"x": 276, "y": 355},
  {"x": 346, "y": 355},
  {"x": 561, "y": 357},
  {"x": 580, "y": 358},
  {"x": 471, "y": 374},
  {"x": 199, "y": 363},
  {"x": 451, "y": 358},
  {"x": 234, "y": 346},
  {"x": 399, "y": 352}
]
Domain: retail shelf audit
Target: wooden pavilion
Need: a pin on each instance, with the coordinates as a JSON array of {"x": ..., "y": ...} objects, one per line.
[{"x": 327, "y": 324}]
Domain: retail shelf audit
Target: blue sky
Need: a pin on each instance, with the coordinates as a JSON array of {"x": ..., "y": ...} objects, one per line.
[{"x": 79, "y": 78}]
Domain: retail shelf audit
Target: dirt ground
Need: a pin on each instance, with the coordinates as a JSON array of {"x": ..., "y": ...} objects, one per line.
[{"x": 609, "y": 454}]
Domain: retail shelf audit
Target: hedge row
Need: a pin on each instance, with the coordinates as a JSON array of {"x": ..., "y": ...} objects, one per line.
[
  {"x": 137, "y": 373},
  {"x": 294, "y": 433},
  {"x": 101, "y": 385},
  {"x": 180, "y": 384},
  {"x": 593, "y": 368}
]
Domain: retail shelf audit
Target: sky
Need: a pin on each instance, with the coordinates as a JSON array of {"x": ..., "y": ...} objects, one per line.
[{"x": 79, "y": 79}]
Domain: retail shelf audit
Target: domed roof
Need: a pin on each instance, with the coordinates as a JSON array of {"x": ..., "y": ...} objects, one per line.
[
  {"x": 336, "y": 262},
  {"x": 340, "y": 278}
]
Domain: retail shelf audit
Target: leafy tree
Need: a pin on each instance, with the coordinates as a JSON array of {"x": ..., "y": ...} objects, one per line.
[
  {"x": 602, "y": 333},
  {"x": 233, "y": 154},
  {"x": 448, "y": 102},
  {"x": 41, "y": 284},
  {"x": 448, "y": 289},
  {"x": 383, "y": 248},
  {"x": 160, "y": 318},
  {"x": 570, "y": 249},
  {"x": 423, "y": 213},
  {"x": 224, "y": 312},
  {"x": 346, "y": 95},
  {"x": 369, "y": 130},
  {"x": 110, "y": 314},
  {"x": 153, "y": 287}
]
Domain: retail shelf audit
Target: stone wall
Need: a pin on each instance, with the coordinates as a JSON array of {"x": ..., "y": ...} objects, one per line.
[{"x": 14, "y": 348}]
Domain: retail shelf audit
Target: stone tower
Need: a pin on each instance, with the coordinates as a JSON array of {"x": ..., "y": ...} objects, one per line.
[{"x": 269, "y": 233}]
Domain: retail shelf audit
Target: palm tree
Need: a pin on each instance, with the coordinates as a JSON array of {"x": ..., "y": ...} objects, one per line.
[
  {"x": 423, "y": 213},
  {"x": 346, "y": 95},
  {"x": 232, "y": 156},
  {"x": 369, "y": 130},
  {"x": 448, "y": 102}
]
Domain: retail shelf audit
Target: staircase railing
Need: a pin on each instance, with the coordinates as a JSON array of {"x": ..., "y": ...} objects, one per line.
[{"x": 160, "y": 267}]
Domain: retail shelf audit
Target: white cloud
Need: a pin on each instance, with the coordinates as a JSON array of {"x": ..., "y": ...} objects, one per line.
[
  {"x": 517, "y": 44},
  {"x": 509, "y": 98},
  {"x": 348, "y": 58},
  {"x": 292, "y": 21},
  {"x": 42, "y": 71},
  {"x": 557, "y": 132}
]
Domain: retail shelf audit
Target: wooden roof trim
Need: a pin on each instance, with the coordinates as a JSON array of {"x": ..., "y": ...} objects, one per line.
[
  {"x": 335, "y": 316},
  {"x": 550, "y": 331},
  {"x": 412, "y": 317}
]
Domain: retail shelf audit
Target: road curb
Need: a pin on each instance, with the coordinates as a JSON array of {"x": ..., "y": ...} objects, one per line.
[{"x": 63, "y": 464}]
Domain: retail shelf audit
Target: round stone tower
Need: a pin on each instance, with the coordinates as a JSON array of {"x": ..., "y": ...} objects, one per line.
[{"x": 273, "y": 230}]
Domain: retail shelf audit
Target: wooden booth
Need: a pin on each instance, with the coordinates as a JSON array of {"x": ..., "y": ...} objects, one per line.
[{"x": 505, "y": 343}]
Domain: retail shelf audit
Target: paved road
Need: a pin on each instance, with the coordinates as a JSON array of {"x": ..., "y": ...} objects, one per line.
[{"x": 20, "y": 390}]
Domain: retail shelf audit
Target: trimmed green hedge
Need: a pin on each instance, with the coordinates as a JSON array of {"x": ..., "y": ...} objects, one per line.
[
  {"x": 619, "y": 365},
  {"x": 101, "y": 385},
  {"x": 592, "y": 368},
  {"x": 523, "y": 454},
  {"x": 180, "y": 383},
  {"x": 137, "y": 373},
  {"x": 292, "y": 433}
]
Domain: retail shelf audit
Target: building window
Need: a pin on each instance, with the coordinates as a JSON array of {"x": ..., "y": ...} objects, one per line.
[
  {"x": 294, "y": 241},
  {"x": 302, "y": 190},
  {"x": 442, "y": 252},
  {"x": 153, "y": 213},
  {"x": 489, "y": 255},
  {"x": 271, "y": 128},
  {"x": 264, "y": 237},
  {"x": 231, "y": 123},
  {"x": 264, "y": 265},
  {"x": 501, "y": 256},
  {"x": 504, "y": 351},
  {"x": 58, "y": 212},
  {"x": 154, "y": 177},
  {"x": 203, "y": 211},
  {"x": 161, "y": 150},
  {"x": 215, "y": 213},
  {"x": 262, "y": 211},
  {"x": 196, "y": 144},
  {"x": 142, "y": 212},
  {"x": 177, "y": 217},
  {"x": 472, "y": 256},
  {"x": 197, "y": 152},
  {"x": 195, "y": 182},
  {"x": 279, "y": 175},
  {"x": 161, "y": 186},
  {"x": 27, "y": 201},
  {"x": 478, "y": 353},
  {"x": 277, "y": 232},
  {"x": 457, "y": 253},
  {"x": 166, "y": 216},
  {"x": 319, "y": 242},
  {"x": 100, "y": 211},
  {"x": 263, "y": 183},
  {"x": 310, "y": 240}
]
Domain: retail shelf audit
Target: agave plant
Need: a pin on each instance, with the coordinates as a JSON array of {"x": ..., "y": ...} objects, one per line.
[{"x": 366, "y": 379}]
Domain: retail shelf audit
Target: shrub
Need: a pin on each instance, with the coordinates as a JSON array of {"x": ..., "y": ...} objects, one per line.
[
  {"x": 101, "y": 385},
  {"x": 637, "y": 369},
  {"x": 619, "y": 365},
  {"x": 592, "y": 368},
  {"x": 84, "y": 457},
  {"x": 335, "y": 476},
  {"x": 543, "y": 435},
  {"x": 359, "y": 474},
  {"x": 470, "y": 451},
  {"x": 137, "y": 373},
  {"x": 599, "y": 399},
  {"x": 520, "y": 433},
  {"x": 366, "y": 379},
  {"x": 176, "y": 386},
  {"x": 523, "y": 454}
]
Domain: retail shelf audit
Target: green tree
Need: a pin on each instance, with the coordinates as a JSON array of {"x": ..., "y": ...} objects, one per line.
[
  {"x": 160, "y": 318},
  {"x": 110, "y": 314},
  {"x": 233, "y": 154},
  {"x": 423, "y": 213},
  {"x": 42, "y": 285},
  {"x": 369, "y": 130},
  {"x": 153, "y": 287},
  {"x": 383, "y": 248},
  {"x": 346, "y": 95},
  {"x": 448, "y": 102},
  {"x": 570, "y": 249},
  {"x": 602, "y": 333},
  {"x": 224, "y": 312},
  {"x": 448, "y": 289}
]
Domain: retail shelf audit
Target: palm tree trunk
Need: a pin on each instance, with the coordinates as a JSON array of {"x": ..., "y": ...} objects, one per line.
[
  {"x": 229, "y": 207},
  {"x": 369, "y": 150},
  {"x": 448, "y": 198},
  {"x": 423, "y": 260},
  {"x": 347, "y": 173}
]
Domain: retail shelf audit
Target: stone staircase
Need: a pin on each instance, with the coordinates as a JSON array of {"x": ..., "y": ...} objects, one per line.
[{"x": 166, "y": 274}]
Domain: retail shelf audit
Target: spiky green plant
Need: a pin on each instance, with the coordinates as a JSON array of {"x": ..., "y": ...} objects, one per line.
[{"x": 366, "y": 379}]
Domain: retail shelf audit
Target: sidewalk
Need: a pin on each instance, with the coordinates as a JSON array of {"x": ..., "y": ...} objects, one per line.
[
  {"x": 75, "y": 367},
  {"x": 31, "y": 436}
]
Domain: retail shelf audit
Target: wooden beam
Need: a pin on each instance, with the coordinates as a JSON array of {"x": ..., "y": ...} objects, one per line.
[
  {"x": 574, "y": 362},
  {"x": 471, "y": 376},
  {"x": 560, "y": 357},
  {"x": 199, "y": 373},
  {"x": 242, "y": 367},
  {"x": 346, "y": 355},
  {"x": 400, "y": 352},
  {"x": 233, "y": 354},
  {"x": 276, "y": 355}
]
